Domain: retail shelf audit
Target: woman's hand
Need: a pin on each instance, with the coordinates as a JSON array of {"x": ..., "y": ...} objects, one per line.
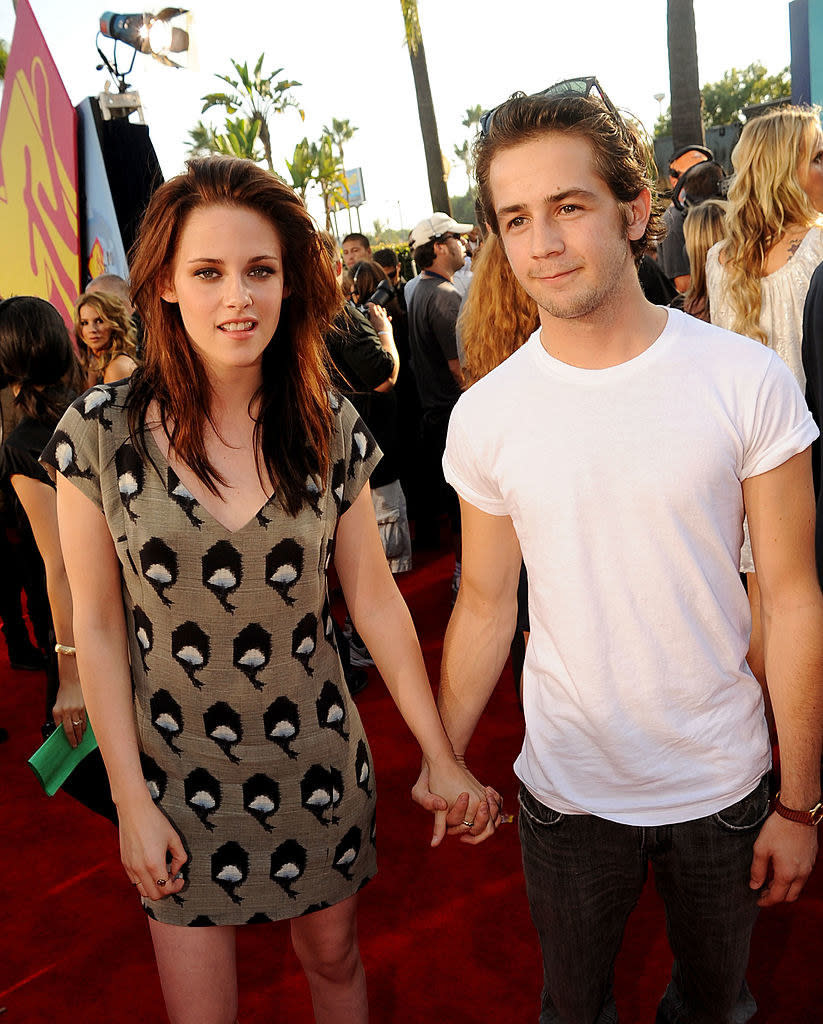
[
  {"x": 460, "y": 804},
  {"x": 380, "y": 319},
  {"x": 151, "y": 851},
  {"x": 69, "y": 710}
]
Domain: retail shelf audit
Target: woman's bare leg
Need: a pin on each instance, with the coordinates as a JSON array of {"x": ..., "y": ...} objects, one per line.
[
  {"x": 198, "y": 972},
  {"x": 326, "y": 945}
]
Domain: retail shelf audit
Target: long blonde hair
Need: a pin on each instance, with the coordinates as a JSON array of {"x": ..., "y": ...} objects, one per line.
[
  {"x": 703, "y": 227},
  {"x": 497, "y": 316},
  {"x": 765, "y": 198},
  {"x": 117, "y": 318}
]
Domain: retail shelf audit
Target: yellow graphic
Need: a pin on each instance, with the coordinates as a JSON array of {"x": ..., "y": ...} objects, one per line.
[
  {"x": 97, "y": 260},
  {"x": 38, "y": 199}
]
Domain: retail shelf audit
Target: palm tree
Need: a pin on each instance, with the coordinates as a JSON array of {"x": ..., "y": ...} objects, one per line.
[
  {"x": 201, "y": 140},
  {"x": 473, "y": 115},
  {"x": 340, "y": 132},
  {"x": 257, "y": 97},
  {"x": 684, "y": 84},
  {"x": 303, "y": 166},
  {"x": 328, "y": 174},
  {"x": 425, "y": 108}
]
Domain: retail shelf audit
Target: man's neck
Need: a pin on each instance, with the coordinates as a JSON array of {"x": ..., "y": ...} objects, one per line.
[
  {"x": 441, "y": 269},
  {"x": 616, "y": 332}
]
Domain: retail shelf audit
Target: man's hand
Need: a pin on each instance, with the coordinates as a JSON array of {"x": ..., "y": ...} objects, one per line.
[
  {"x": 784, "y": 855},
  {"x": 485, "y": 802}
]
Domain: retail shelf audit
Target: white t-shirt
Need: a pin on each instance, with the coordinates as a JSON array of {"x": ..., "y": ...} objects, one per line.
[{"x": 624, "y": 487}]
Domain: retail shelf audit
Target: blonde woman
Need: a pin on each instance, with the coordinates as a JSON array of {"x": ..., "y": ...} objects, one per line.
[
  {"x": 759, "y": 274},
  {"x": 106, "y": 338},
  {"x": 703, "y": 228}
]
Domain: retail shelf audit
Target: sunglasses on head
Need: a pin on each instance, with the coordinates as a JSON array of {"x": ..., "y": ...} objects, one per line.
[{"x": 568, "y": 87}]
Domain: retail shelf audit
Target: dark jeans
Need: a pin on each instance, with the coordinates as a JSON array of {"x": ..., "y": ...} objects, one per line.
[{"x": 584, "y": 876}]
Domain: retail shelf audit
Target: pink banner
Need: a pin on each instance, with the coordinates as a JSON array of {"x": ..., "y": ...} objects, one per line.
[{"x": 40, "y": 251}]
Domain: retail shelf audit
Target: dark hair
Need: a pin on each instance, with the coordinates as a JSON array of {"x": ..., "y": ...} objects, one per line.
[
  {"x": 36, "y": 353},
  {"x": 356, "y": 236},
  {"x": 366, "y": 276},
  {"x": 424, "y": 255},
  {"x": 293, "y": 429},
  {"x": 386, "y": 258},
  {"x": 621, "y": 157}
]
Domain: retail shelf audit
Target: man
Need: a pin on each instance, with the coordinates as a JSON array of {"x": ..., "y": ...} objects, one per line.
[
  {"x": 671, "y": 252},
  {"x": 355, "y": 247},
  {"x": 433, "y": 308},
  {"x": 616, "y": 450}
]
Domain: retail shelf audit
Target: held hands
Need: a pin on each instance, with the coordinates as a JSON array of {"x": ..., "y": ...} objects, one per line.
[
  {"x": 789, "y": 850},
  {"x": 460, "y": 804},
  {"x": 69, "y": 709},
  {"x": 147, "y": 841}
]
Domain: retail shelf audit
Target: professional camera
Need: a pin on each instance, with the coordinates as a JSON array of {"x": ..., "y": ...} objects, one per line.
[{"x": 380, "y": 296}]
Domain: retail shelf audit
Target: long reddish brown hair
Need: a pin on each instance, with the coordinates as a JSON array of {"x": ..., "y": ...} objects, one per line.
[{"x": 294, "y": 424}]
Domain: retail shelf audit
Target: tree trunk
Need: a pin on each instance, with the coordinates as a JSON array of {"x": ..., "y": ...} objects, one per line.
[
  {"x": 428, "y": 126},
  {"x": 684, "y": 83}
]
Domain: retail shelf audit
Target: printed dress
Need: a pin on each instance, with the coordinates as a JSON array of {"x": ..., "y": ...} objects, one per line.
[{"x": 250, "y": 743}]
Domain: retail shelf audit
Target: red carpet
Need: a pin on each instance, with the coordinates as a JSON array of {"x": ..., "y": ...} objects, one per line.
[{"x": 445, "y": 933}]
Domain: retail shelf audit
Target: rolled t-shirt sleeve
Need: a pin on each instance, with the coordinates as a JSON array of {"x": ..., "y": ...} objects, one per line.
[
  {"x": 74, "y": 447},
  {"x": 782, "y": 425},
  {"x": 468, "y": 469}
]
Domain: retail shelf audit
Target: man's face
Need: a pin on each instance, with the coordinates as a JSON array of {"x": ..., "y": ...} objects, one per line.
[
  {"x": 353, "y": 252},
  {"x": 565, "y": 235},
  {"x": 451, "y": 247}
]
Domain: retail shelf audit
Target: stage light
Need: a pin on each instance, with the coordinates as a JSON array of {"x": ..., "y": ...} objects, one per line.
[{"x": 156, "y": 35}]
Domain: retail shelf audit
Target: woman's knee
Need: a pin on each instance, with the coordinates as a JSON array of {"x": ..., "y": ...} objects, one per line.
[{"x": 327, "y": 947}]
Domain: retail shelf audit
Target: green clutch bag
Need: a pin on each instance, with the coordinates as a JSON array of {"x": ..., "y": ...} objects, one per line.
[{"x": 56, "y": 759}]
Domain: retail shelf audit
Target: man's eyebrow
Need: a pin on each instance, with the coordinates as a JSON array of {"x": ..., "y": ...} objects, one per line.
[{"x": 556, "y": 197}]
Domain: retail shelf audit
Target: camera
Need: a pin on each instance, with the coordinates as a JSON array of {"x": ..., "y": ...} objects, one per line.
[{"x": 380, "y": 296}]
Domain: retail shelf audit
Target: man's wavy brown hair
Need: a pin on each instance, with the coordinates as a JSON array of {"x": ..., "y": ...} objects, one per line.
[
  {"x": 294, "y": 422},
  {"x": 622, "y": 157}
]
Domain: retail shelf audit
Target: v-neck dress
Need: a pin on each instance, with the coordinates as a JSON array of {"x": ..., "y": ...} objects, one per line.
[{"x": 250, "y": 743}]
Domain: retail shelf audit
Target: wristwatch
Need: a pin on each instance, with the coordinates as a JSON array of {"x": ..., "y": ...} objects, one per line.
[{"x": 811, "y": 817}]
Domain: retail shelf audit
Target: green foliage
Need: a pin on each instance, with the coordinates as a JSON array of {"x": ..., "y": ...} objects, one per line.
[
  {"x": 302, "y": 166},
  {"x": 4, "y": 57},
  {"x": 723, "y": 101},
  {"x": 463, "y": 208},
  {"x": 473, "y": 115},
  {"x": 238, "y": 139},
  {"x": 340, "y": 132},
  {"x": 257, "y": 97}
]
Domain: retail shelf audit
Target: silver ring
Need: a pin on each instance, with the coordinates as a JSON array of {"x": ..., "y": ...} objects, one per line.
[
  {"x": 161, "y": 882},
  {"x": 468, "y": 824},
  {"x": 76, "y": 723}
]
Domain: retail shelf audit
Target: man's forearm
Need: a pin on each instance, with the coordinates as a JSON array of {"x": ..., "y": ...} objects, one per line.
[
  {"x": 793, "y": 639},
  {"x": 474, "y": 653}
]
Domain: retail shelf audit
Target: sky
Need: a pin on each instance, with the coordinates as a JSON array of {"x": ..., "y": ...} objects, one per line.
[{"x": 353, "y": 64}]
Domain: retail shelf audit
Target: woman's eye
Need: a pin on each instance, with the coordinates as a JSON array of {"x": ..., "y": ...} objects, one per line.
[
  {"x": 206, "y": 273},
  {"x": 262, "y": 271}
]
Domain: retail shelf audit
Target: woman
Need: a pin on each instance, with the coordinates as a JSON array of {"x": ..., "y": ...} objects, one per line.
[
  {"x": 106, "y": 338},
  {"x": 38, "y": 363},
  {"x": 228, "y": 476},
  {"x": 759, "y": 274},
  {"x": 704, "y": 226}
]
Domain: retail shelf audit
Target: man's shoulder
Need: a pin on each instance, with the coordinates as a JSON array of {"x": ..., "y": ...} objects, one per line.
[{"x": 713, "y": 349}]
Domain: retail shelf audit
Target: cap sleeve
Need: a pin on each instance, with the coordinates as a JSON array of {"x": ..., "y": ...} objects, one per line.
[
  {"x": 360, "y": 452},
  {"x": 74, "y": 450}
]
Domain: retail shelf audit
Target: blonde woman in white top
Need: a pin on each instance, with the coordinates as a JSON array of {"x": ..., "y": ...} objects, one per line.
[{"x": 759, "y": 274}]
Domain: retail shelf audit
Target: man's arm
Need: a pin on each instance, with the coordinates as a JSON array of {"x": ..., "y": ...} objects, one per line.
[
  {"x": 479, "y": 631},
  {"x": 780, "y": 508}
]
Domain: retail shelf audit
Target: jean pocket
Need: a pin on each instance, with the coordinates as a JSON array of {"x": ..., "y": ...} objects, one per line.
[
  {"x": 537, "y": 813},
  {"x": 747, "y": 814}
]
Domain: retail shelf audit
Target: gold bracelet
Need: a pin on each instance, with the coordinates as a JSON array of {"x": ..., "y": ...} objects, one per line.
[{"x": 65, "y": 649}]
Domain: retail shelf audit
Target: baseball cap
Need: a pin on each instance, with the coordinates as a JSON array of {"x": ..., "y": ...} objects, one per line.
[{"x": 436, "y": 226}]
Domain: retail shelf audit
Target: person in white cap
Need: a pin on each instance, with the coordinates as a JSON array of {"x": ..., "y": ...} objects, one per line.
[{"x": 433, "y": 307}]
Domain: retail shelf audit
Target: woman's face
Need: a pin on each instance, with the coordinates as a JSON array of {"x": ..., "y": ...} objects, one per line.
[
  {"x": 95, "y": 330},
  {"x": 810, "y": 173},
  {"x": 227, "y": 279}
]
